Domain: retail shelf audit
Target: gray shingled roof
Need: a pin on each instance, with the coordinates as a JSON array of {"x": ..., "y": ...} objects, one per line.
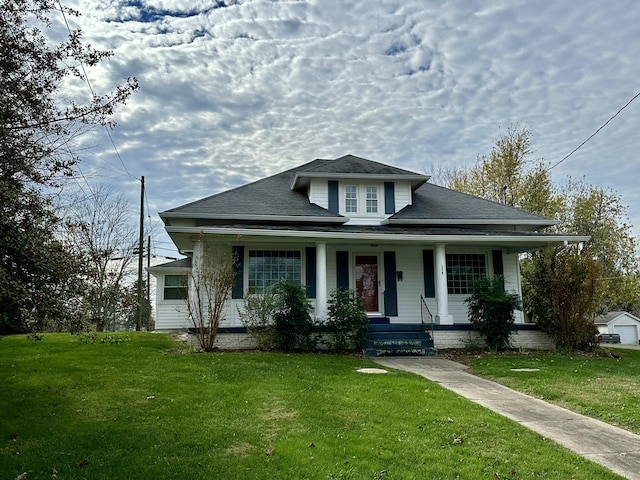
[
  {"x": 273, "y": 196},
  {"x": 269, "y": 196},
  {"x": 437, "y": 203}
]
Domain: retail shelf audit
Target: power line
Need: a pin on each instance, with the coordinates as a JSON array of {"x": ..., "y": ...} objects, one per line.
[
  {"x": 93, "y": 93},
  {"x": 596, "y": 132}
]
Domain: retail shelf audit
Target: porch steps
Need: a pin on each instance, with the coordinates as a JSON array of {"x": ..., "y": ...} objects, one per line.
[{"x": 398, "y": 339}]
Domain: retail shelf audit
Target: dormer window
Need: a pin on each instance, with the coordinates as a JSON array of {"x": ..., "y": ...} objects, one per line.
[
  {"x": 351, "y": 199},
  {"x": 372, "y": 199}
]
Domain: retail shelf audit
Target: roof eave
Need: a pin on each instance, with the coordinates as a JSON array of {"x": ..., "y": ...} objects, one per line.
[
  {"x": 302, "y": 179},
  {"x": 339, "y": 219},
  {"x": 469, "y": 221}
]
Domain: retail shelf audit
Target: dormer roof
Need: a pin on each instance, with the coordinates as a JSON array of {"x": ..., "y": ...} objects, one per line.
[{"x": 352, "y": 167}]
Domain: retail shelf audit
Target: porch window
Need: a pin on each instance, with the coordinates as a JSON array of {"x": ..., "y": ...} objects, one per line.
[
  {"x": 463, "y": 269},
  {"x": 267, "y": 267},
  {"x": 175, "y": 287},
  {"x": 351, "y": 199},
  {"x": 372, "y": 199}
]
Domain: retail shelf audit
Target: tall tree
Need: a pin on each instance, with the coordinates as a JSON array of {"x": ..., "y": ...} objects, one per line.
[
  {"x": 508, "y": 175},
  {"x": 103, "y": 233},
  {"x": 38, "y": 123}
]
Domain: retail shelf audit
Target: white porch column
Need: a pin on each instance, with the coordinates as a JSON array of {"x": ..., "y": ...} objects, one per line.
[
  {"x": 442, "y": 293},
  {"x": 321, "y": 280}
]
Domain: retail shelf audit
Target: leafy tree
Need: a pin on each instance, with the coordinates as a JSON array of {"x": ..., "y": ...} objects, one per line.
[
  {"x": 491, "y": 311},
  {"x": 600, "y": 214},
  {"x": 564, "y": 284},
  {"x": 38, "y": 124},
  {"x": 508, "y": 175}
]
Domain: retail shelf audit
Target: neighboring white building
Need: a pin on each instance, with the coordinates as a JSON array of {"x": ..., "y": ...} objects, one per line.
[
  {"x": 622, "y": 323},
  {"x": 408, "y": 247}
]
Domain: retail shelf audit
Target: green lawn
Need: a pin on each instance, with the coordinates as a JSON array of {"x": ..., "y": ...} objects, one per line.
[
  {"x": 598, "y": 385},
  {"x": 134, "y": 410}
]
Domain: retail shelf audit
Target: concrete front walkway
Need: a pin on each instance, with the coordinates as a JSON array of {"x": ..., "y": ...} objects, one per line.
[{"x": 615, "y": 448}]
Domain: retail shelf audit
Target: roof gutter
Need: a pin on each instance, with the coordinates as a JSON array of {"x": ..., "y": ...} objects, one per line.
[{"x": 528, "y": 240}]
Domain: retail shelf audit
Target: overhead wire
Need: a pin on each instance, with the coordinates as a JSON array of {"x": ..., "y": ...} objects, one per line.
[{"x": 596, "y": 132}]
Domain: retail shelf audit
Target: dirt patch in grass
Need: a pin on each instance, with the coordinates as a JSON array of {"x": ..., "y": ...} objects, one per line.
[{"x": 241, "y": 450}]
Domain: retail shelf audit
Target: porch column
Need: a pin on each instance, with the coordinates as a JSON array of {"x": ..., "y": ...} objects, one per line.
[
  {"x": 442, "y": 293},
  {"x": 321, "y": 280}
]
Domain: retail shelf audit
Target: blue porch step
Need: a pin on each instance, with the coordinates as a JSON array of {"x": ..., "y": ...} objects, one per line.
[{"x": 398, "y": 339}]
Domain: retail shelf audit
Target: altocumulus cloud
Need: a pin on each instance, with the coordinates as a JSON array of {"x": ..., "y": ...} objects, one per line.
[{"x": 232, "y": 91}]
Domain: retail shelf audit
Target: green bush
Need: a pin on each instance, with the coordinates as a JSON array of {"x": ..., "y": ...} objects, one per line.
[
  {"x": 347, "y": 319},
  {"x": 491, "y": 311},
  {"x": 257, "y": 317},
  {"x": 293, "y": 324}
]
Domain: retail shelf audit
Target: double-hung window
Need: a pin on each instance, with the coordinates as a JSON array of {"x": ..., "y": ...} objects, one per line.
[
  {"x": 351, "y": 199},
  {"x": 463, "y": 270},
  {"x": 361, "y": 199},
  {"x": 372, "y": 200},
  {"x": 175, "y": 287},
  {"x": 267, "y": 267}
]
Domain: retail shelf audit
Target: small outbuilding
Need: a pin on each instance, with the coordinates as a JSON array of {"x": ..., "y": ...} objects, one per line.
[{"x": 623, "y": 323}]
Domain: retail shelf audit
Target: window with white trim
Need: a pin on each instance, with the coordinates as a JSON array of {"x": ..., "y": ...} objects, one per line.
[
  {"x": 351, "y": 199},
  {"x": 267, "y": 267},
  {"x": 463, "y": 270},
  {"x": 175, "y": 287},
  {"x": 372, "y": 199}
]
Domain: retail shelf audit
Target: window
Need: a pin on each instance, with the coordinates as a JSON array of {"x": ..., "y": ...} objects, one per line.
[
  {"x": 372, "y": 200},
  {"x": 463, "y": 269},
  {"x": 175, "y": 287},
  {"x": 267, "y": 267},
  {"x": 351, "y": 199}
]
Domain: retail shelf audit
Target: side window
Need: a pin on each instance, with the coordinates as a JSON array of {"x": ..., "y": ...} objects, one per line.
[{"x": 175, "y": 287}]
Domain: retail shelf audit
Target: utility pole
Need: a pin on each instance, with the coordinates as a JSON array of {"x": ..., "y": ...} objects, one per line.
[
  {"x": 148, "y": 281},
  {"x": 140, "y": 255}
]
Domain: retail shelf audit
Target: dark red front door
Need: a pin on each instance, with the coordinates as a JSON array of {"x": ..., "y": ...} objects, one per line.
[{"x": 367, "y": 281}]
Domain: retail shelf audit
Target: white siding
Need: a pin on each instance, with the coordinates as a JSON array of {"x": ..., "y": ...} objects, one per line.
[
  {"x": 512, "y": 280},
  {"x": 170, "y": 314},
  {"x": 402, "y": 195},
  {"x": 319, "y": 192}
]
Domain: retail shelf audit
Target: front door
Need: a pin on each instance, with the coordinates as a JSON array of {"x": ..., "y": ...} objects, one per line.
[{"x": 367, "y": 281}]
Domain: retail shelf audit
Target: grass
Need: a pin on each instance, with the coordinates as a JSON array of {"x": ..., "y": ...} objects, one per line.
[
  {"x": 598, "y": 385},
  {"x": 139, "y": 409}
]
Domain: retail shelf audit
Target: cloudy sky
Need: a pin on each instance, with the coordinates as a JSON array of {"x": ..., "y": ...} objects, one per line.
[{"x": 234, "y": 90}]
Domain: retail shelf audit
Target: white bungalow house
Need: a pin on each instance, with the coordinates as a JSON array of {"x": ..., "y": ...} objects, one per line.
[
  {"x": 622, "y": 323},
  {"x": 411, "y": 249}
]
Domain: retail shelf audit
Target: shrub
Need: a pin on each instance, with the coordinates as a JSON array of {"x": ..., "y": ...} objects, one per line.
[
  {"x": 257, "y": 317},
  {"x": 293, "y": 325},
  {"x": 491, "y": 311},
  {"x": 347, "y": 319}
]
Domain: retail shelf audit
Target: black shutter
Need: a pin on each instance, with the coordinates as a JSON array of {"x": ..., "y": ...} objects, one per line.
[
  {"x": 342, "y": 269},
  {"x": 238, "y": 272},
  {"x": 390, "y": 285},
  {"x": 310, "y": 271},
  {"x": 429, "y": 274},
  {"x": 389, "y": 198},
  {"x": 333, "y": 196},
  {"x": 498, "y": 265}
]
